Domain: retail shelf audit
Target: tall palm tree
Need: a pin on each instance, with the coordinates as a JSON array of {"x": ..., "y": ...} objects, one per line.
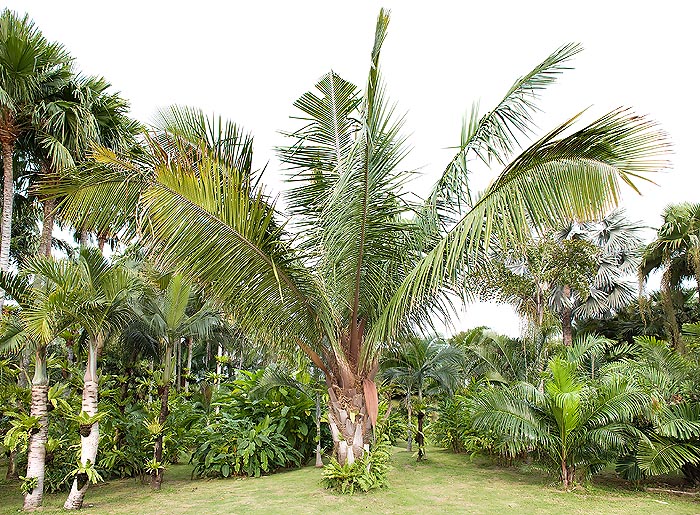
[
  {"x": 35, "y": 327},
  {"x": 167, "y": 313},
  {"x": 676, "y": 250},
  {"x": 366, "y": 264},
  {"x": 71, "y": 121},
  {"x": 418, "y": 366},
  {"x": 31, "y": 69}
]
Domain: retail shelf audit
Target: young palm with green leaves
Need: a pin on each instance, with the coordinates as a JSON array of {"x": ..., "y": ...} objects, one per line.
[
  {"x": 575, "y": 425},
  {"x": 359, "y": 265},
  {"x": 34, "y": 327},
  {"x": 669, "y": 440},
  {"x": 422, "y": 366},
  {"x": 169, "y": 313},
  {"x": 102, "y": 296},
  {"x": 676, "y": 251}
]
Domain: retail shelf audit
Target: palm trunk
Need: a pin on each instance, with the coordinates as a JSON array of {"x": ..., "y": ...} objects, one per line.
[
  {"x": 88, "y": 443},
  {"x": 101, "y": 240},
  {"x": 36, "y": 458},
  {"x": 178, "y": 365},
  {"x": 409, "y": 432},
  {"x": 420, "y": 437},
  {"x": 12, "y": 466},
  {"x": 47, "y": 227},
  {"x": 7, "y": 200},
  {"x": 671, "y": 321},
  {"x": 566, "y": 317},
  {"x": 157, "y": 475},
  {"x": 568, "y": 474},
  {"x": 350, "y": 424},
  {"x": 319, "y": 461},
  {"x": 189, "y": 362}
]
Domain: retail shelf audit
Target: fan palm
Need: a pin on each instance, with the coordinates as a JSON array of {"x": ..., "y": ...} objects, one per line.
[
  {"x": 676, "y": 250},
  {"x": 34, "y": 327},
  {"x": 573, "y": 425},
  {"x": 420, "y": 365},
  {"x": 366, "y": 264},
  {"x": 31, "y": 69}
]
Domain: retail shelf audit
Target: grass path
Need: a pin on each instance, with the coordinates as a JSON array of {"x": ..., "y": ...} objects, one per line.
[{"x": 445, "y": 484}]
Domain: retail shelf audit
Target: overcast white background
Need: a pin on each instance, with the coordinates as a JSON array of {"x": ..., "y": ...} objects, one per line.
[{"x": 249, "y": 61}]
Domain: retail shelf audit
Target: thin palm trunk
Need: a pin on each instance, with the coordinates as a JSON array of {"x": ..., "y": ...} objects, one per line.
[
  {"x": 157, "y": 475},
  {"x": 319, "y": 461},
  {"x": 163, "y": 392},
  {"x": 409, "y": 432},
  {"x": 566, "y": 318},
  {"x": 178, "y": 365},
  {"x": 189, "y": 361},
  {"x": 90, "y": 436},
  {"x": 7, "y": 200},
  {"x": 36, "y": 458}
]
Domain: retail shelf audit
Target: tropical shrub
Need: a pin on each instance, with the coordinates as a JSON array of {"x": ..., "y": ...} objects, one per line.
[
  {"x": 454, "y": 429},
  {"x": 291, "y": 411},
  {"x": 240, "y": 447}
]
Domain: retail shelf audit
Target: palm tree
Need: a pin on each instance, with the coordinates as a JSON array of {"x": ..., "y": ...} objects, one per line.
[
  {"x": 81, "y": 114},
  {"x": 676, "y": 250},
  {"x": 422, "y": 366},
  {"x": 669, "y": 440},
  {"x": 103, "y": 296},
  {"x": 572, "y": 424},
  {"x": 31, "y": 69},
  {"x": 37, "y": 324},
  {"x": 167, "y": 314},
  {"x": 366, "y": 264},
  {"x": 501, "y": 360}
]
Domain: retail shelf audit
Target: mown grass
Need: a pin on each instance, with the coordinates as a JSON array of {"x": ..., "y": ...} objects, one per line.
[{"x": 445, "y": 483}]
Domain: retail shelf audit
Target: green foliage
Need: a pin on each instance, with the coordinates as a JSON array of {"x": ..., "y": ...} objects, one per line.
[
  {"x": 394, "y": 426},
  {"x": 84, "y": 473},
  {"x": 28, "y": 484},
  {"x": 575, "y": 426},
  {"x": 454, "y": 429},
  {"x": 364, "y": 474},
  {"x": 21, "y": 426},
  {"x": 239, "y": 447}
]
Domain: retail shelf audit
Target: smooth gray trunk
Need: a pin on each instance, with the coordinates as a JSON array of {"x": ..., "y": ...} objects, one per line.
[
  {"x": 7, "y": 204},
  {"x": 88, "y": 443}
]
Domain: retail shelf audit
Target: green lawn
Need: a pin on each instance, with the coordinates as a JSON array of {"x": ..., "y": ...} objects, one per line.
[{"x": 446, "y": 483}]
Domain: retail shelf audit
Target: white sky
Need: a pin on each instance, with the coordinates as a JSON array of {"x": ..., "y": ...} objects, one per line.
[{"x": 249, "y": 61}]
